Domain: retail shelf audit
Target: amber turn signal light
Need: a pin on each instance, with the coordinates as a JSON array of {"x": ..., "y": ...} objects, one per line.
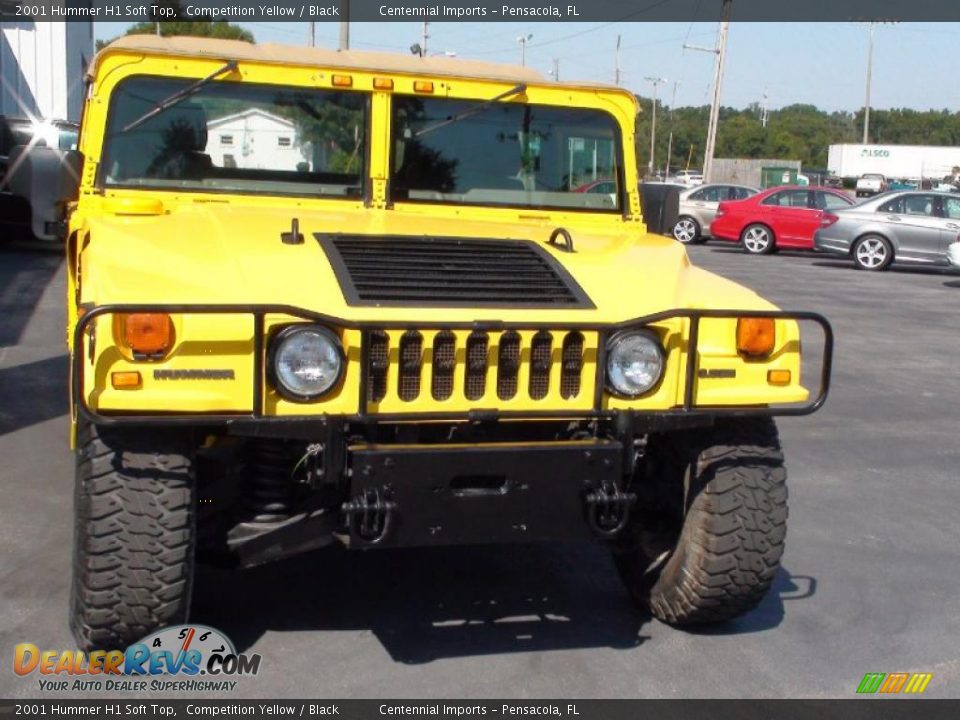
[
  {"x": 422, "y": 86},
  {"x": 147, "y": 333},
  {"x": 756, "y": 336},
  {"x": 382, "y": 84},
  {"x": 125, "y": 380},
  {"x": 342, "y": 81},
  {"x": 779, "y": 377}
]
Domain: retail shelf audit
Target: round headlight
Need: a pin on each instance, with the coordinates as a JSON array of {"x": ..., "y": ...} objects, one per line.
[
  {"x": 634, "y": 363},
  {"x": 307, "y": 361}
]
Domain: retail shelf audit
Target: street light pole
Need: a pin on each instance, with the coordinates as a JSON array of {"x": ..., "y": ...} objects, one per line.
[
  {"x": 653, "y": 119},
  {"x": 523, "y": 40}
]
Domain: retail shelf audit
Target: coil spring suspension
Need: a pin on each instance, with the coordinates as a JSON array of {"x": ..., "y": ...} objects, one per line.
[{"x": 270, "y": 491}]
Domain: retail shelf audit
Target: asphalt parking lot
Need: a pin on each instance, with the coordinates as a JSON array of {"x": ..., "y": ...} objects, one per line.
[{"x": 869, "y": 580}]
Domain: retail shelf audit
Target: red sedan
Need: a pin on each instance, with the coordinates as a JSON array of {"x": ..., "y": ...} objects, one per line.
[{"x": 781, "y": 217}]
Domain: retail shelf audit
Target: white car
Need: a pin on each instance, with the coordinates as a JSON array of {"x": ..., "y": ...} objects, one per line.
[
  {"x": 689, "y": 178},
  {"x": 953, "y": 253}
]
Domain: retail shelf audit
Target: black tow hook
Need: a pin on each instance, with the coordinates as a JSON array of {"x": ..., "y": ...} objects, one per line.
[
  {"x": 608, "y": 509},
  {"x": 369, "y": 516}
]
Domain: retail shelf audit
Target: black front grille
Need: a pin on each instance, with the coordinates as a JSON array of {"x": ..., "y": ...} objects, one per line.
[
  {"x": 411, "y": 347},
  {"x": 378, "y": 361},
  {"x": 540, "y": 365},
  {"x": 449, "y": 272},
  {"x": 444, "y": 361},
  {"x": 571, "y": 365},
  {"x": 475, "y": 383},
  {"x": 508, "y": 365}
]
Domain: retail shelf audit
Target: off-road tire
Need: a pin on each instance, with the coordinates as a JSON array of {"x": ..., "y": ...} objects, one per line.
[
  {"x": 728, "y": 551},
  {"x": 134, "y": 538}
]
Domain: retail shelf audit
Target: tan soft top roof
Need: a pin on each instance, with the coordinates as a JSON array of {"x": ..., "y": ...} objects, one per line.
[{"x": 321, "y": 57}]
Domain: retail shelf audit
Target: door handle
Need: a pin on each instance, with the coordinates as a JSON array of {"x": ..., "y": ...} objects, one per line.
[
  {"x": 894, "y": 218},
  {"x": 953, "y": 226}
]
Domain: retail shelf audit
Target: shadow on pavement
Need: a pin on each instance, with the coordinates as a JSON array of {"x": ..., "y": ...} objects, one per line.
[
  {"x": 24, "y": 275},
  {"x": 952, "y": 284},
  {"x": 432, "y": 603},
  {"x": 33, "y": 392},
  {"x": 905, "y": 269},
  {"x": 770, "y": 612}
]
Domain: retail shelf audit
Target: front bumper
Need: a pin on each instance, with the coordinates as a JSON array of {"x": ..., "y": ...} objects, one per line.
[
  {"x": 411, "y": 495},
  {"x": 832, "y": 245},
  {"x": 692, "y": 374}
]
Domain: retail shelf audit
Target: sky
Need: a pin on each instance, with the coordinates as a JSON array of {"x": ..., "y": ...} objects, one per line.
[{"x": 822, "y": 64}]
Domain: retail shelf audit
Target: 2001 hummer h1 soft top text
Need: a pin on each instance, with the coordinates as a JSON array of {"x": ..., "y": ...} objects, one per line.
[{"x": 386, "y": 301}]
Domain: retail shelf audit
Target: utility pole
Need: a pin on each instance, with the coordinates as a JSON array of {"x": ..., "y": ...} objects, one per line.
[
  {"x": 721, "y": 53},
  {"x": 423, "y": 39},
  {"x": 556, "y": 70},
  {"x": 312, "y": 37},
  {"x": 673, "y": 104},
  {"x": 763, "y": 111},
  {"x": 866, "y": 104},
  {"x": 653, "y": 129},
  {"x": 616, "y": 64},
  {"x": 523, "y": 40},
  {"x": 345, "y": 25}
]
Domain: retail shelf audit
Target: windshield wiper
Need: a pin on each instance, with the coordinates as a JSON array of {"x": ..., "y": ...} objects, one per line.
[
  {"x": 517, "y": 90},
  {"x": 180, "y": 96}
]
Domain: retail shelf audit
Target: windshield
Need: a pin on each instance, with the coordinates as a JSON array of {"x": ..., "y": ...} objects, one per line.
[
  {"x": 504, "y": 153},
  {"x": 236, "y": 137}
]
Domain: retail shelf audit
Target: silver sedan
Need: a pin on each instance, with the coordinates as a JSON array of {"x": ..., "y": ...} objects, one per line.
[
  {"x": 910, "y": 227},
  {"x": 698, "y": 208}
]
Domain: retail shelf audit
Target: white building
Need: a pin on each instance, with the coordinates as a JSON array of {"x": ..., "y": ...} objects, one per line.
[
  {"x": 913, "y": 162},
  {"x": 255, "y": 139},
  {"x": 42, "y": 65}
]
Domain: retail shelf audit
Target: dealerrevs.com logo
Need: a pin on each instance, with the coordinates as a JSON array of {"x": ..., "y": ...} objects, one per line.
[{"x": 178, "y": 658}]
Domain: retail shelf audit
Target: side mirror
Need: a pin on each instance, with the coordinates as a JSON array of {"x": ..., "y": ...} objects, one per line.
[{"x": 48, "y": 179}]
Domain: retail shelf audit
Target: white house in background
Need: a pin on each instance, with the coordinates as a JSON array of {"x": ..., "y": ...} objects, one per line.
[
  {"x": 254, "y": 139},
  {"x": 42, "y": 65}
]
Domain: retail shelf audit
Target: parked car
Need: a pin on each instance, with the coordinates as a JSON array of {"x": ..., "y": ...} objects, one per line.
[
  {"x": 690, "y": 178},
  {"x": 780, "y": 217},
  {"x": 16, "y": 213},
  {"x": 698, "y": 207},
  {"x": 915, "y": 227},
  {"x": 872, "y": 184}
]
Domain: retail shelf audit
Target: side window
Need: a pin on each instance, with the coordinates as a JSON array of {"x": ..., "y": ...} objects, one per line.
[
  {"x": 714, "y": 194},
  {"x": 738, "y": 193},
  {"x": 951, "y": 208},
  {"x": 919, "y": 205},
  {"x": 894, "y": 206},
  {"x": 829, "y": 201},
  {"x": 698, "y": 196},
  {"x": 788, "y": 198}
]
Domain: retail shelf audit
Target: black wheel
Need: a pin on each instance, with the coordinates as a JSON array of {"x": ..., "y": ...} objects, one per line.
[
  {"x": 872, "y": 252},
  {"x": 135, "y": 532},
  {"x": 758, "y": 239},
  {"x": 687, "y": 231},
  {"x": 707, "y": 541}
]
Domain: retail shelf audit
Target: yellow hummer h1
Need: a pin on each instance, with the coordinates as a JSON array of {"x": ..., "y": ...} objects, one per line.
[{"x": 343, "y": 297}]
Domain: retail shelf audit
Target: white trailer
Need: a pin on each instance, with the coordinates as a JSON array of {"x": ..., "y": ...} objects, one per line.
[
  {"x": 42, "y": 65},
  {"x": 912, "y": 162}
]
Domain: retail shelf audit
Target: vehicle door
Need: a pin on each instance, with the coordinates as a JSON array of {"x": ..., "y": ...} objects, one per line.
[
  {"x": 914, "y": 221},
  {"x": 950, "y": 211},
  {"x": 793, "y": 219},
  {"x": 703, "y": 204}
]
